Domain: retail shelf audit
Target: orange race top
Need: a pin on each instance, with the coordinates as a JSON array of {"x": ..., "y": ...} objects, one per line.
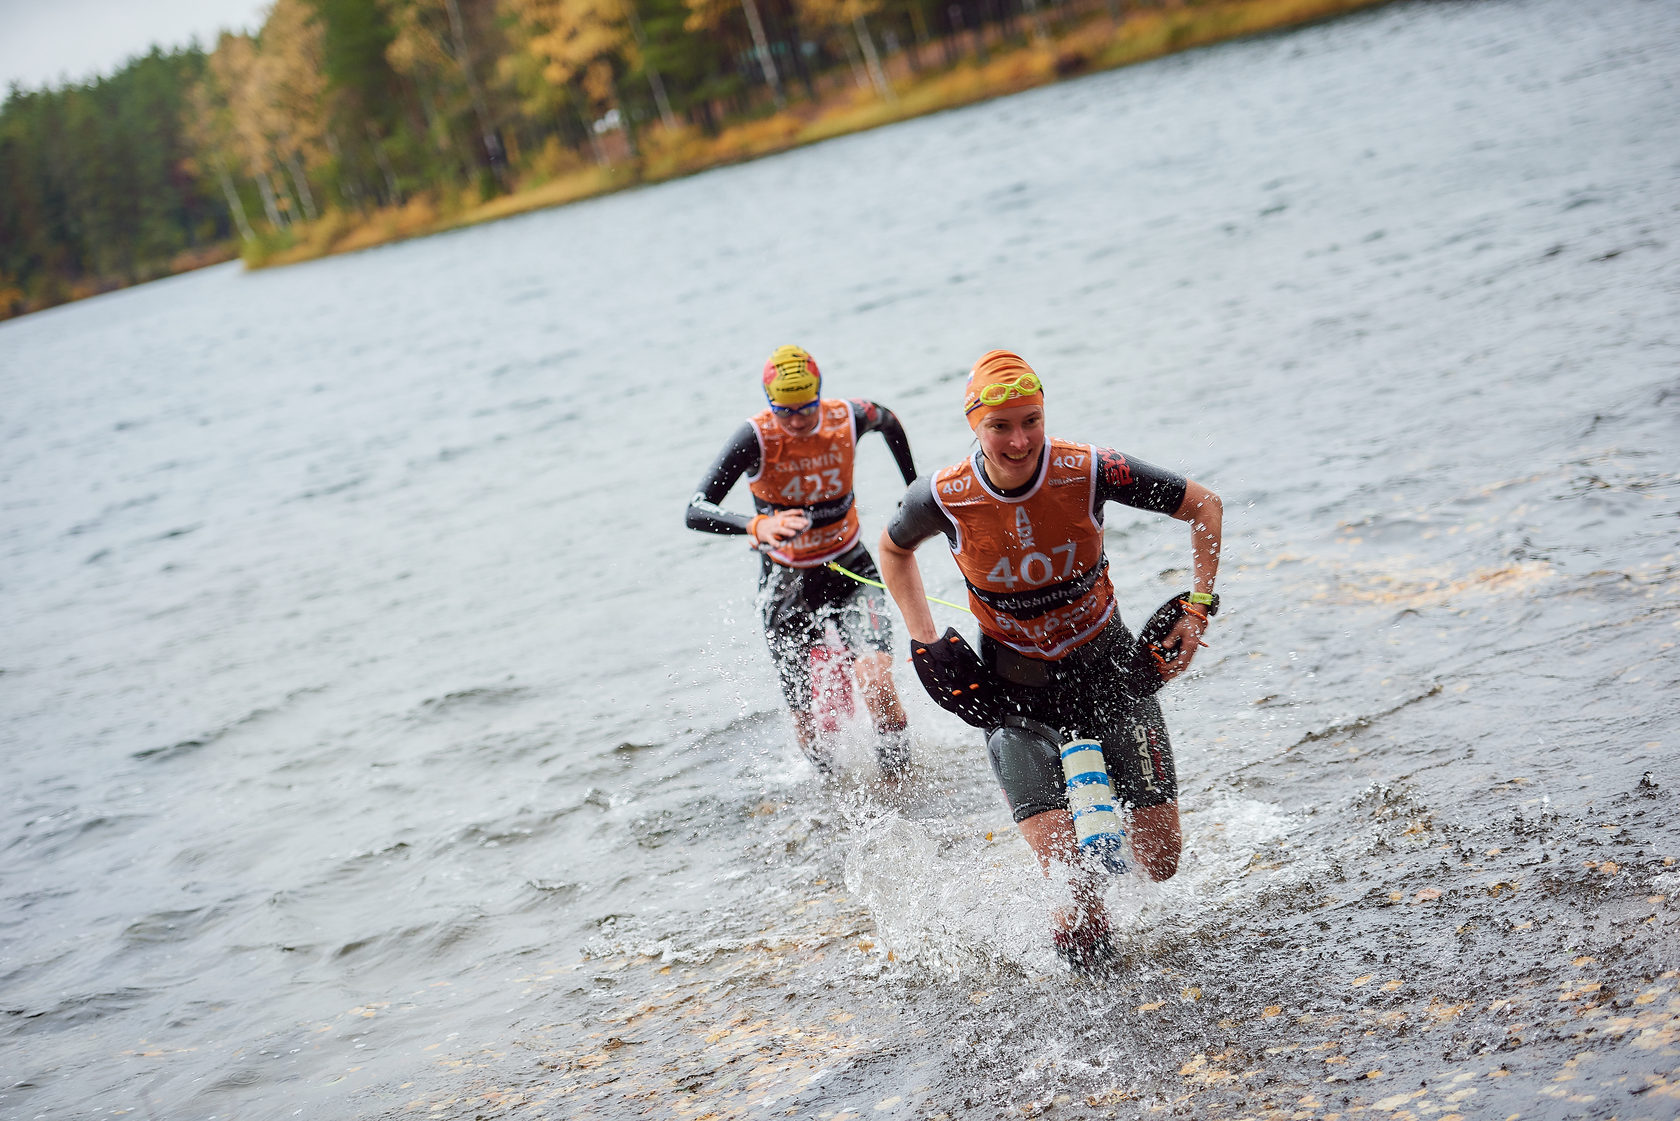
[
  {"x": 812, "y": 473},
  {"x": 1037, "y": 575}
]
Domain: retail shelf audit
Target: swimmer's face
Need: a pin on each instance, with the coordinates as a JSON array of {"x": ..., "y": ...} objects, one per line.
[
  {"x": 1011, "y": 439},
  {"x": 796, "y": 423}
]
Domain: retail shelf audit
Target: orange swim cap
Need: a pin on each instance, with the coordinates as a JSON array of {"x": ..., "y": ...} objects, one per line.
[
  {"x": 791, "y": 378},
  {"x": 1019, "y": 385}
]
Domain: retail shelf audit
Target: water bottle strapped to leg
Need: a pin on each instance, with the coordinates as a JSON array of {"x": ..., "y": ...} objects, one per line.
[{"x": 1096, "y": 820}]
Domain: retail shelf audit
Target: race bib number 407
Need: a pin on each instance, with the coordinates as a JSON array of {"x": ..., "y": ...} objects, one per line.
[{"x": 1035, "y": 569}]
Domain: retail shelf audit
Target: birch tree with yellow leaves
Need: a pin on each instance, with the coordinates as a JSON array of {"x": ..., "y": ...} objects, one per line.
[
  {"x": 589, "y": 46},
  {"x": 240, "y": 80},
  {"x": 209, "y": 128},
  {"x": 710, "y": 15},
  {"x": 439, "y": 44},
  {"x": 841, "y": 16},
  {"x": 292, "y": 83}
]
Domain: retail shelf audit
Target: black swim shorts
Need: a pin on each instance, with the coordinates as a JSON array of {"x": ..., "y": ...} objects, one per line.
[
  {"x": 797, "y": 603},
  {"x": 1077, "y": 697}
]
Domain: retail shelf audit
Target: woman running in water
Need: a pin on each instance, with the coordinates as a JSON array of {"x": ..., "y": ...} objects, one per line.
[
  {"x": 797, "y": 456},
  {"x": 1024, "y": 519}
]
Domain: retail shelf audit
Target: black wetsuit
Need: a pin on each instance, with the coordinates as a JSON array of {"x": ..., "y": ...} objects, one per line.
[
  {"x": 1077, "y": 695},
  {"x": 795, "y": 603}
]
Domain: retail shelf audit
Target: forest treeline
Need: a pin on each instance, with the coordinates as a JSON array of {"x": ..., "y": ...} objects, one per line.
[{"x": 338, "y": 109}]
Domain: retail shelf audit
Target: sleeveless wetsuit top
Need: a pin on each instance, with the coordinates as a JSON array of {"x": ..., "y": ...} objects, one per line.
[
  {"x": 1036, "y": 571},
  {"x": 812, "y": 473}
]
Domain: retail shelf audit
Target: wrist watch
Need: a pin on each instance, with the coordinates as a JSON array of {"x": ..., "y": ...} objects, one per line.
[{"x": 1204, "y": 599}]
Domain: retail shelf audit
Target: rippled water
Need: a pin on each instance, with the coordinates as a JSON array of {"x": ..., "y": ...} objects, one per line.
[{"x": 377, "y": 743}]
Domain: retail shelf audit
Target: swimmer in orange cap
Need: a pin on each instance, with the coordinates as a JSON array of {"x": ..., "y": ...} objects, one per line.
[
  {"x": 1024, "y": 518},
  {"x": 797, "y": 457}
]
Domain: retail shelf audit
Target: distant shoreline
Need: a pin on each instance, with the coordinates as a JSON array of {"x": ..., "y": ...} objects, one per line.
[
  {"x": 1095, "y": 45},
  {"x": 995, "y": 67}
]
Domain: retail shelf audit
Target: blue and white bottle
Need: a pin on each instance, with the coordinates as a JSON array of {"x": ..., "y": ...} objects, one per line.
[{"x": 1096, "y": 821}]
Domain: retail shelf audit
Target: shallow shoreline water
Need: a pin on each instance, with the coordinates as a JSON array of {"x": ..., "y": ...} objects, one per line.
[{"x": 377, "y": 743}]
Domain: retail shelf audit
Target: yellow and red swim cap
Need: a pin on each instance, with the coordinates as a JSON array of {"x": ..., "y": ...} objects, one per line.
[
  {"x": 1000, "y": 380},
  {"x": 791, "y": 378}
]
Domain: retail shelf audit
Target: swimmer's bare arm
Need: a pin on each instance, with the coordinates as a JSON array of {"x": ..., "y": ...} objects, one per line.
[
  {"x": 903, "y": 578},
  {"x": 1205, "y": 513},
  {"x": 918, "y": 518}
]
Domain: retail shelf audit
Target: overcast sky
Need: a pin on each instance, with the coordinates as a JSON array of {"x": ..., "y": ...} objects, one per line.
[{"x": 45, "y": 42}]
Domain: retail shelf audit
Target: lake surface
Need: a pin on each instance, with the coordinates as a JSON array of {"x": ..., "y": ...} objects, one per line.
[{"x": 375, "y": 742}]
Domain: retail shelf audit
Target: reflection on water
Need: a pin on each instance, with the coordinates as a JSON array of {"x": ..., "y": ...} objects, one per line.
[{"x": 377, "y": 742}]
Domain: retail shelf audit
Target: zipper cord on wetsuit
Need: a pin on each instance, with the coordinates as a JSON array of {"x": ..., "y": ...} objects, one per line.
[{"x": 878, "y": 584}]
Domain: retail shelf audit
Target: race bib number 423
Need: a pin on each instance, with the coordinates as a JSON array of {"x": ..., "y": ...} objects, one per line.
[{"x": 811, "y": 488}]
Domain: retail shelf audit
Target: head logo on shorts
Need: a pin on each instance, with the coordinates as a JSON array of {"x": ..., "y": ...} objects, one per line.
[{"x": 791, "y": 379}]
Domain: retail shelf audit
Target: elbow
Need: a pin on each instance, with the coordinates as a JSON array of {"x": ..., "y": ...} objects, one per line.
[
  {"x": 1213, "y": 509},
  {"x": 1200, "y": 505}
]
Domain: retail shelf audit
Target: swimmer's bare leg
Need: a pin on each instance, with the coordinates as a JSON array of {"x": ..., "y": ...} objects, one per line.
[
  {"x": 1080, "y": 931},
  {"x": 875, "y": 682},
  {"x": 1157, "y": 840},
  {"x": 810, "y": 741}
]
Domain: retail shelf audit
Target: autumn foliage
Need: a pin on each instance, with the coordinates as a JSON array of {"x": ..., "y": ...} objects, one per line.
[{"x": 342, "y": 124}]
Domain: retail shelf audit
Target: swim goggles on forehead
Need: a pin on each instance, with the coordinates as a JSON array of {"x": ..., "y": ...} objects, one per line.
[
  {"x": 1000, "y": 391},
  {"x": 796, "y": 410}
]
